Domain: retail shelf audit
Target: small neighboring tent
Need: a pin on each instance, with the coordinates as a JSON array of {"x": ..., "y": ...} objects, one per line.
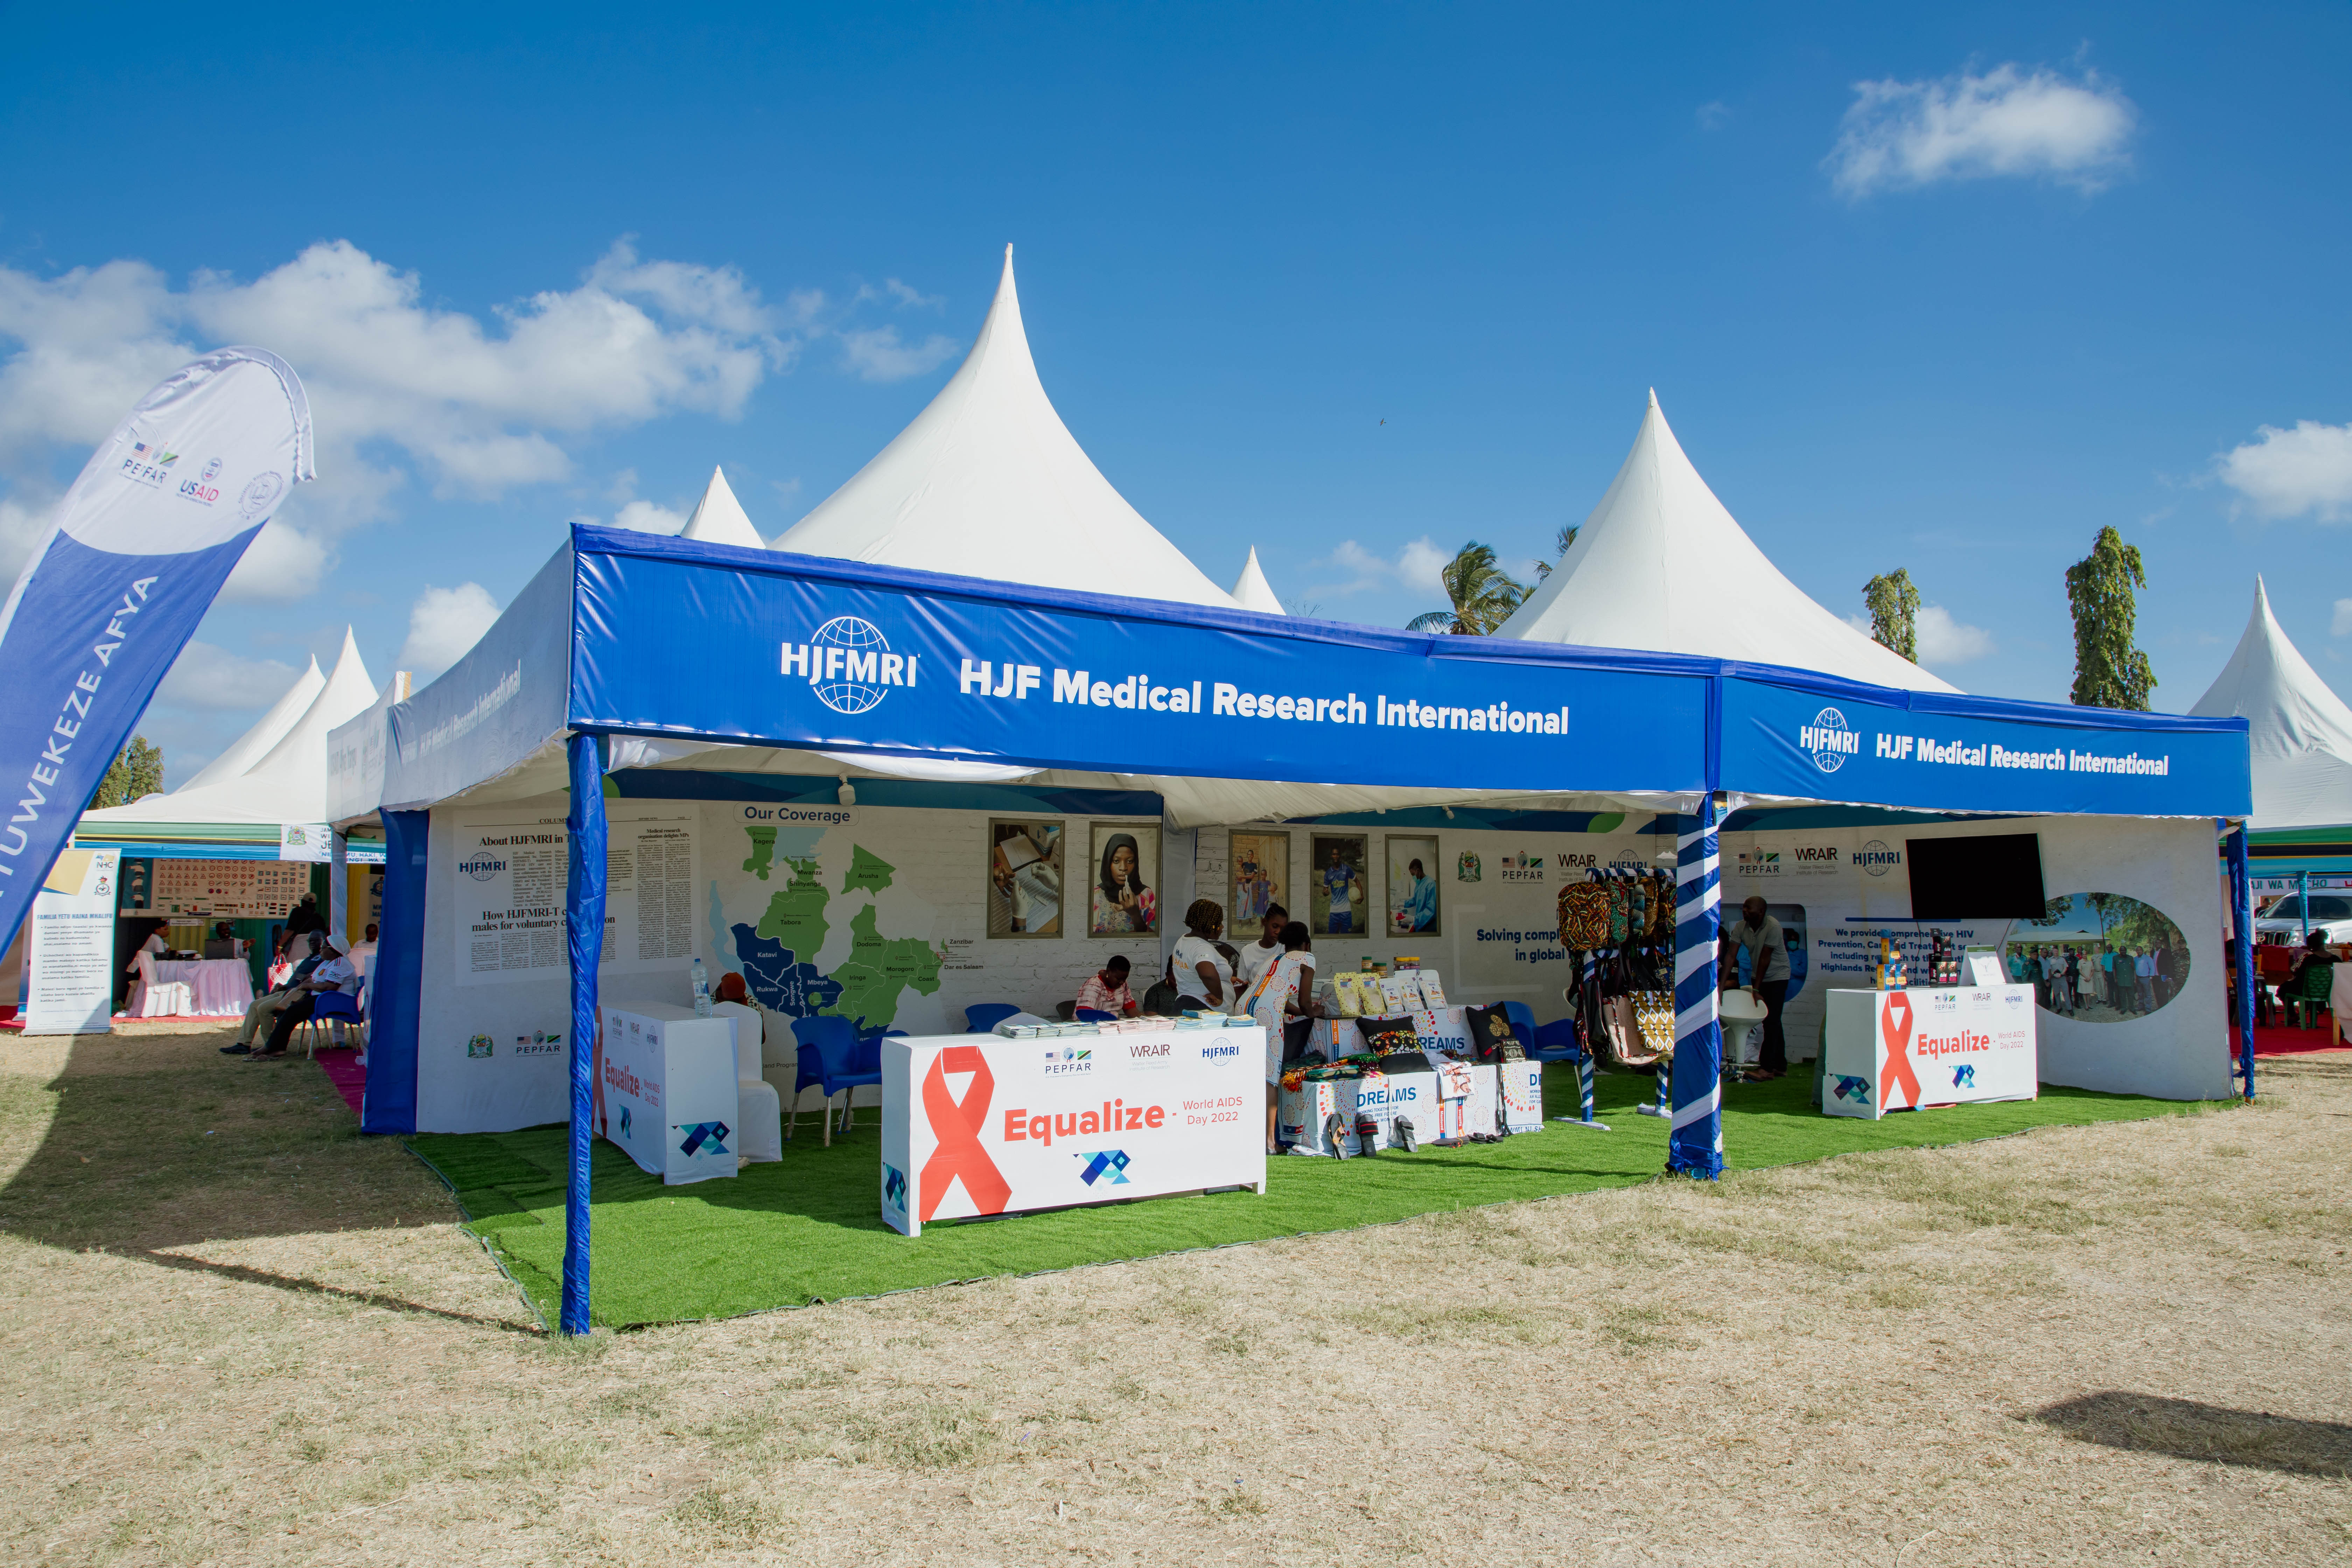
[
  {"x": 1662, "y": 565},
  {"x": 1253, "y": 592},
  {"x": 287, "y": 784},
  {"x": 988, "y": 482},
  {"x": 718, "y": 518},
  {"x": 2299, "y": 729},
  {"x": 255, "y": 744}
]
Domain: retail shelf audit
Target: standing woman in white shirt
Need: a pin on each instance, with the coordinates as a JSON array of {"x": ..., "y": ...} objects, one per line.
[
  {"x": 1285, "y": 991},
  {"x": 1202, "y": 979}
]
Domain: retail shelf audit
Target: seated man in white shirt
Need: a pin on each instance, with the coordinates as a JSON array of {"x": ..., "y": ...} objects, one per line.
[
  {"x": 363, "y": 952},
  {"x": 337, "y": 973}
]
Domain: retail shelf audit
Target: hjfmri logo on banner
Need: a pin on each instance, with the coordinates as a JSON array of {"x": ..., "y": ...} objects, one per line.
[
  {"x": 1829, "y": 739},
  {"x": 849, "y": 663}
]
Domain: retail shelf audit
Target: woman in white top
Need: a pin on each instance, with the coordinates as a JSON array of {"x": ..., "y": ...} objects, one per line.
[
  {"x": 1202, "y": 979},
  {"x": 1285, "y": 991},
  {"x": 1257, "y": 955}
]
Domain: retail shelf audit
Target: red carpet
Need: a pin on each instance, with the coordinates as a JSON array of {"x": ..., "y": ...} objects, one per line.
[
  {"x": 343, "y": 1070},
  {"x": 2277, "y": 1041}
]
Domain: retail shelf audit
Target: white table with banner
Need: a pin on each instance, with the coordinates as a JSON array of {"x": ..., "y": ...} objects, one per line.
[
  {"x": 1905, "y": 1050},
  {"x": 217, "y": 987},
  {"x": 982, "y": 1124}
]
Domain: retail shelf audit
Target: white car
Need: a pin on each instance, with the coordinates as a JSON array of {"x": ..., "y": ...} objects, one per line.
[{"x": 2281, "y": 923}]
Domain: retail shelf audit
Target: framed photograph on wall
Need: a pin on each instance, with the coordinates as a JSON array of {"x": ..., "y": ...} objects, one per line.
[
  {"x": 1124, "y": 859},
  {"x": 1339, "y": 884},
  {"x": 1257, "y": 870},
  {"x": 1024, "y": 878},
  {"x": 1412, "y": 886}
]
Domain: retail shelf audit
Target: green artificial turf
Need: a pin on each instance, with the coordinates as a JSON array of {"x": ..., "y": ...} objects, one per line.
[{"x": 810, "y": 1227}]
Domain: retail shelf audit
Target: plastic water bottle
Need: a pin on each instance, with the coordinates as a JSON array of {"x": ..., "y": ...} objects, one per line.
[{"x": 701, "y": 990}]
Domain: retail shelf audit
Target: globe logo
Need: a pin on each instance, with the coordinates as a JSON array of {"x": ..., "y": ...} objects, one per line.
[
  {"x": 857, "y": 684},
  {"x": 1829, "y": 739}
]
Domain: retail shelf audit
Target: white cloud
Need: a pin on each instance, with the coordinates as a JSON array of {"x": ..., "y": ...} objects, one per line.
[
  {"x": 478, "y": 409},
  {"x": 876, "y": 354},
  {"x": 908, "y": 297},
  {"x": 2286, "y": 473},
  {"x": 282, "y": 565},
  {"x": 2006, "y": 121},
  {"x": 649, "y": 517},
  {"x": 442, "y": 625},
  {"x": 206, "y": 676},
  {"x": 1416, "y": 567},
  {"x": 1941, "y": 640},
  {"x": 1945, "y": 641},
  {"x": 2341, "y": 625},
  {"x": 1713, "y": 116}
]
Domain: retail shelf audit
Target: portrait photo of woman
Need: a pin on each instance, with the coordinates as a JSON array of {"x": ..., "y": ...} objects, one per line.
[{"x": 1127, "y": 862}]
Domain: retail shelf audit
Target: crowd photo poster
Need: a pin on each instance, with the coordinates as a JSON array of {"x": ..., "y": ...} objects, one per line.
[
  {"x": 1125, "y": 901},
  {"x": 1338, "y": 890},
  {"x": 1258, "y": 867},
  {"x": 1024, "y": 878},
  {"x": 1412, "y": 887}
]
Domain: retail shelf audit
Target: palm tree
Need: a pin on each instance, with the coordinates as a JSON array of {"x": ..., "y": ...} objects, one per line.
[
  {"x": 1561, "y": 547},
  {"x": 1484, "y": 595}
]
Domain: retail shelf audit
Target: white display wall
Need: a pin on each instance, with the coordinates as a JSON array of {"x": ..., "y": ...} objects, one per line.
[{"x": 882, "y": 909}]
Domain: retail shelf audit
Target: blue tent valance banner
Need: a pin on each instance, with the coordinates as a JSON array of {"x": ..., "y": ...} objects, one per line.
[
  {"x": 1937, "y": 751},
  {"x": 831, "y": 655}
]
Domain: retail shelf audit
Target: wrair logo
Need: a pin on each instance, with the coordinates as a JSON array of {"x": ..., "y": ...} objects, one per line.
[
  {"x": 849, "y": 664},
  {"x": 1815, "y": 854},
  {"x": 481, "y": 867},
  {"x": 1876, "y": 858},
  {"x": 1830, "y": 740}
]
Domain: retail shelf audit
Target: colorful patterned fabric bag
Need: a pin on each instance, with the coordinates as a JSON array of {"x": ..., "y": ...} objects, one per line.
[{"x": 1584, "y": 916}]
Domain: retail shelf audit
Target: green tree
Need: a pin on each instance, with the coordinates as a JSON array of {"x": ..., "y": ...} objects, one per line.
[
  {"x": 136, "y": 773},
  {"x": 2109, "y": 672},
  {"x": 1482, "y": 595},
  {"x": 1894, "y": 612},
  {"x": 1561, "y": 547}
]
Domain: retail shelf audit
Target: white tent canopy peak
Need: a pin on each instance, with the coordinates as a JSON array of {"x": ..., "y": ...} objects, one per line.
[
  {"x": 720, "y": 518},
  {"x": 1662, "y": 565},
  {"x": 1253, "y": 592},
  {"x": 267, "y": 731},
  {"x": 987, "y": 481},
  {"x": 2299, "y": 731}
]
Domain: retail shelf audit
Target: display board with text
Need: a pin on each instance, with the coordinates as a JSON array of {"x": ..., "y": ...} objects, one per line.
[{"x": 1907, "y": 1050}]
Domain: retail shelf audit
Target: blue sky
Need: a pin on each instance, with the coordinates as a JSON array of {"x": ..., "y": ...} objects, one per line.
[{"x": 1948, "y": 291}]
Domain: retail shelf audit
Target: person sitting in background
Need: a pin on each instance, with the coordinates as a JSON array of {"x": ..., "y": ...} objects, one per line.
[
  {"x": 1204, "y": 979},
  {"x": 363, "y": 952},
  {"x": 1107, "y": 992},
  {"x": 154, "y": 947},
  {"x": 1161, "y": 1000},
  {"x": 336, "y": 974},
  {"x": 1264, "y": 949},
  {"x": 264, "y": 1009},
  {"x": 305, "y": 917}
]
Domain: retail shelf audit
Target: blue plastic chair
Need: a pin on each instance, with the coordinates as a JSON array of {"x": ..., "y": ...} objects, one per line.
[
  {"x": 833, "y": 1058},
  {"x": 1523, "y": 1022},
  {"x": 1555, "y": 1042},
  {"x": 981, "y": 1017},
  {"x": 330, "y": 1006}
]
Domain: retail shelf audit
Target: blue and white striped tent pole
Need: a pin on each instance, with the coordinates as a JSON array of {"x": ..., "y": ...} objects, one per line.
[{"x": 1694, "y": 1143}]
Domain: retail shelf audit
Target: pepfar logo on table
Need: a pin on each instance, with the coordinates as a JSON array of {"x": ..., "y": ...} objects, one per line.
[
  {"x": 1063, "y": 1060},
  {"x": 848, "y": 662}
]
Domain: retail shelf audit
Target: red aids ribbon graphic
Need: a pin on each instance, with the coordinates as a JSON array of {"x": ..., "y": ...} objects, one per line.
[
  {"x": 956, "y": 1127},
  {"x": 1895, "y": 1028}
]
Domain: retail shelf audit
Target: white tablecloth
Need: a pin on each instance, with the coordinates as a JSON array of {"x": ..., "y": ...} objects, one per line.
[{"x": 220, "y": 987}]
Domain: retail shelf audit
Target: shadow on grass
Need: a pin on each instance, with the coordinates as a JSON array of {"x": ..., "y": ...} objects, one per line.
[
  {"x": 145, "y": 1145},
  {"x": 2214, "y": 1434}
]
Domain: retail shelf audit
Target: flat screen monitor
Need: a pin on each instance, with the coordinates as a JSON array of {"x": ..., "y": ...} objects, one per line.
[{"x": 1998, "y": 877}]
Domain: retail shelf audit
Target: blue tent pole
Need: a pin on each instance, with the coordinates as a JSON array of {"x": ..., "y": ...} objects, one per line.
[
  {"x": 2242, "y": 941},
  {"x": 1695, "y": 1146},
  {"x": 584, "y": 930},
  {"x": 2305, "y": 900}
]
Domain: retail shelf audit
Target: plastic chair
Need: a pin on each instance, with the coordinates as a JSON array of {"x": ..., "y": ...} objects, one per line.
[
  {"x": 833, "y": 1059},
  {"x": 329, "y": 1006},
  {"x": 1554, "y": 1042},
  {"x": 981, "y": 1017},
  {"x": 2309, "y": 995},
  {"x": 1523, "y": 1022},
  {"x": 153, "y": 999}
]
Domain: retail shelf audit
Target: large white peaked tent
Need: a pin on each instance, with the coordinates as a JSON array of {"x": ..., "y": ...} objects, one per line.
[
  {"x": 1253, "y": 592},
  {"x": 988, "y": 482},
  {"x": 287, "y": 783},
  {"x": 1662, "y": 565},
  {"x": 720, "y": 518},
  {"x": 2300, "y": 731},
  {"x": 255, "y": 744}
]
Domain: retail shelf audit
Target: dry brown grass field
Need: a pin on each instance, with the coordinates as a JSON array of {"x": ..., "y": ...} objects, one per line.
[{"x": 237, "y": 1333}]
